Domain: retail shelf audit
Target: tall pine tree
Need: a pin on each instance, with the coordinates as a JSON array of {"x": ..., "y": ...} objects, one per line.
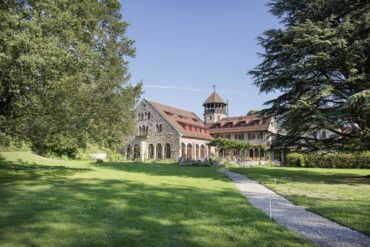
[
  {"x": 319, "y": 62},
  {"x": 63, "y": 73}
]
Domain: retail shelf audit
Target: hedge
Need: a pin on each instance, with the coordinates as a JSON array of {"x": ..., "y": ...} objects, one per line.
[{"x": 332, "y": 160}]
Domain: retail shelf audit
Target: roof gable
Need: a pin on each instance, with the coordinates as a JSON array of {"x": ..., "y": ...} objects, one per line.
[{"x": 185, "y": 122}]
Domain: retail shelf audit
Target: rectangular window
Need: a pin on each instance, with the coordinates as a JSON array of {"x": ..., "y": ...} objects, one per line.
[
  {"x": 251, "y": 136},
  {"x": 260, "y": 135}
]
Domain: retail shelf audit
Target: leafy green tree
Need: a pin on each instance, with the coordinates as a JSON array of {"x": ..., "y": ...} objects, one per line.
[
  {"x": 252, "y": 112},
  {"x": 63, "y": 73},
  {"x": 319, "y": 62}
]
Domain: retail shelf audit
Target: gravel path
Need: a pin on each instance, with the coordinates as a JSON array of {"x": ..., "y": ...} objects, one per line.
[{"x": 313, "y": 227}]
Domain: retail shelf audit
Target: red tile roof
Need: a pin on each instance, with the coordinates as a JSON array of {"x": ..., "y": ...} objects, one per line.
[
  {"x": 240, "y": 124},
  {"x": 179, "y": 118}
]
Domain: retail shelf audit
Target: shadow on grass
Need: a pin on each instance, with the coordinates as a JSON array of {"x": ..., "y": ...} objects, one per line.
[
  {"x": 101, "y": 212},
  {"x": 28, "y": 170},
  {"x": 162, "y": 169},
  {"x": 286, "y": 175}
]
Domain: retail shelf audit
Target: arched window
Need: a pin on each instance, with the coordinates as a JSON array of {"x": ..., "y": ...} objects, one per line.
[
  {"x": 159, "y": 151},
  {"x": 167, "y": 151},
  {"x": 189, "y": 150},
  {"x": 146, "y": 130},
  {"x": 148, "y": 115},
  {"x": 128, "y": 152},
  {"x": 151, "y": 151},
  {"x": 202, "y": 152},
  {"x": 183, "y": 153},
  {"x": 136, "y": 151},
  {"x": 140, "y": 130},
  {"x": 160, "y": 128}
]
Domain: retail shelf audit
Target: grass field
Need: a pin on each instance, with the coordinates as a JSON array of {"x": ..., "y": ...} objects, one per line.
[
  {"x": 58, "y": 203},
  {"x": 342, "y": 195}
]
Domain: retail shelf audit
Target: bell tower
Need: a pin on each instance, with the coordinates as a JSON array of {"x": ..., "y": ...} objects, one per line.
[{"x": 214, "y": 108}]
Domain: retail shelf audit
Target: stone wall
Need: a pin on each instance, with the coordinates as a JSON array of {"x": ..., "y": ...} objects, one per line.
[{"x": 152, "y": 145}]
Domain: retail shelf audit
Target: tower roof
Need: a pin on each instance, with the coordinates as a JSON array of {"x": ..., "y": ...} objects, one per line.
[{"x": 214, "y": 98}]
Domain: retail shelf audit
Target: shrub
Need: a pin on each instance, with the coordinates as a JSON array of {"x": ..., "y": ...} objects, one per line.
[
  {"x": 114, "y": 157},
  {"x": 332, "y": 160},
  {"x": 295, "y": 159},
  {"x": 10, "y": 144}
]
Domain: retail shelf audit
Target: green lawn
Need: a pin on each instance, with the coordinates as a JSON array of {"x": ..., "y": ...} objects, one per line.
[
  {"x": 342, "y": 195},
  {"x": 57, "y": 203}
]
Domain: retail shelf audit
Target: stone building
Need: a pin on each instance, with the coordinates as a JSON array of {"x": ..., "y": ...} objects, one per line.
[
  {"x": 164, "y": 132},
  {"x": 251, "y": 129}
]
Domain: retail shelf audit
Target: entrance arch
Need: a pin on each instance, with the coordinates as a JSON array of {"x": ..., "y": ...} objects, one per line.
[
  {"x": 189, "y": 154},
  {"x": 151, "y": 151},
  {"x": 167, "y": 151},
  {"x": 183, "y": 151},
  {"x": 159, "y": 151},
  {"x": 202, "y": 151},
  {"x": 136, "y": 151},
  {"x": 128, "y": 152}
]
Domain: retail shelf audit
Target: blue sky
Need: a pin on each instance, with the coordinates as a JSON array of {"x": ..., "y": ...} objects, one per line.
[{"x": 186, "y": 46}]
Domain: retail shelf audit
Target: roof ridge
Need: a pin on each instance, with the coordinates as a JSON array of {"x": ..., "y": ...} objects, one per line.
[{"x": 175, "y": 108}]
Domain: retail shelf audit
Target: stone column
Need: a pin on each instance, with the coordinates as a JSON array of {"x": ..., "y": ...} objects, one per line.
[
  {"x": 194, "y": 151},
  {"x": 186, "y": 151},
  {"x": 155, "y": 151},
  {"x": 142, "y": 151}
]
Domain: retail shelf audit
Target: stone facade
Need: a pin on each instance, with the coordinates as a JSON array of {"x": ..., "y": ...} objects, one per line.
[
  {"x": 156, "y": 138},
  {"x": 158, "y": 135},
  {"x": 164, "y": 132}
]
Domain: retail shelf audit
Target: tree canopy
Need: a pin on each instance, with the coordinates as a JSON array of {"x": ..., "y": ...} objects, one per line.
[
  {"x": 319, "y": 62},
  {"x": 63, "y": 73}
]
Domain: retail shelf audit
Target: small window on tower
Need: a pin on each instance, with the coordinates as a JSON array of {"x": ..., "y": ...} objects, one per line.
[{"x": 210, "y": 117}]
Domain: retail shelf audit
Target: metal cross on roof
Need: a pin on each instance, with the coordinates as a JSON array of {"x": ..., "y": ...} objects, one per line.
[{"x": 214, "y": 87}]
